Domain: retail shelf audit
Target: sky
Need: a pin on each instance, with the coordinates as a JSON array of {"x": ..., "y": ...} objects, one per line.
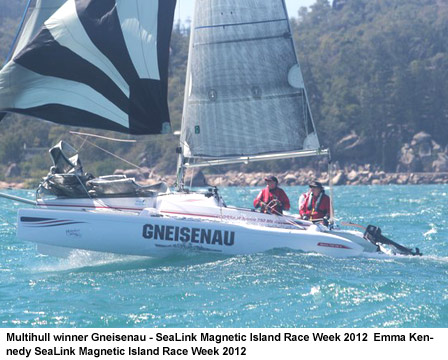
[{"x": 185, "y": 8}]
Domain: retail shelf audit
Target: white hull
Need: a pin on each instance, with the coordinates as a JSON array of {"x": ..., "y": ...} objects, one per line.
[
  {"x": 178, "y": 222},
  {"x": 147, "y": 235},
  {"x": 192, "y": 205}
]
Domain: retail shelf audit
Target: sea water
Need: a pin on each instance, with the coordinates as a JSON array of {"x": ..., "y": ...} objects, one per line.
[{"x": 279, "y": 288}]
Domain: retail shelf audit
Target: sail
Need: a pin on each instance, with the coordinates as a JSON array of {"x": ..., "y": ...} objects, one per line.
[
  {"x": 36, "y": 12},
  {"x": 95, "y": 63},
  {"x": 244, "y": 93}
]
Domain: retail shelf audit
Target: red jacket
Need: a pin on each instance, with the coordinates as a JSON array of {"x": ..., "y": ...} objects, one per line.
[
  {"x": 312, "y": 212},
  {"x": 267, "y": 196}
]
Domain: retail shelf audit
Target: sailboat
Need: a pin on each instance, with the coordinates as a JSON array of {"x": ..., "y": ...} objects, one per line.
[{"x": 104, "y": 64}]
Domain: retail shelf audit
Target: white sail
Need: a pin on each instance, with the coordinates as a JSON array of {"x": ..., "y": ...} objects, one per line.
[{"x": 245, "y": 93}]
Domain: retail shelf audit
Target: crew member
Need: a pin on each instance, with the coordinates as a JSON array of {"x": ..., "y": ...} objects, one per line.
[
  {"x": 316, "y": 204},
  {"x": 272, "y": 199}
]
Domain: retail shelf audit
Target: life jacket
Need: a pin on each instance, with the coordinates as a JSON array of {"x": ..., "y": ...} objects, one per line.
[
  {"x": 317, "y": 211},
  {"x": 268, "y": 196},
  {"x": 309, "y": 200}
]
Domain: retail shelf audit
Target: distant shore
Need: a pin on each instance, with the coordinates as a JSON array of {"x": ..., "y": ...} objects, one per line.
[
  {"x": 359, "y": 176},
  {"x": 352, "y": 177}
]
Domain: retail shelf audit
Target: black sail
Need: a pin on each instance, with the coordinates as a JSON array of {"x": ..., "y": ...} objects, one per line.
[{"x": 95, "y": 63}]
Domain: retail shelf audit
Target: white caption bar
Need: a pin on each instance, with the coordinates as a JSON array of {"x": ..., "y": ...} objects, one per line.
[{"x": 221, "y": 343}]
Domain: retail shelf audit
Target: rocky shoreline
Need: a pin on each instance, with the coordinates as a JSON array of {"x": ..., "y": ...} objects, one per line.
[
  {"x": 340, "y": 177},
  {"x": 421, "y": 161},
  {"x": 361, "y": 175}
]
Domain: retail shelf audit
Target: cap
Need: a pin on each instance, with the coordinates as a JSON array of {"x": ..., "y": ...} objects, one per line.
[
  {"x": 316, "y": 184},
  {"x": 271, "y": 178}
]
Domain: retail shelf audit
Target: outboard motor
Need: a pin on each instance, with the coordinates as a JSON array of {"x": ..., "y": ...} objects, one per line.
[{"x": 373, "y": 234}]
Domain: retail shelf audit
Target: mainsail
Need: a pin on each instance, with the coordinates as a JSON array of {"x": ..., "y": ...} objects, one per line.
[
  {"x": 94, "y": 63},
  {"x": 244, "y": 94}
]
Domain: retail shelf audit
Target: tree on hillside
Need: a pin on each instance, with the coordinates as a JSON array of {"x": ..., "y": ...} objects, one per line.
[{"x": 377, "y": 68}]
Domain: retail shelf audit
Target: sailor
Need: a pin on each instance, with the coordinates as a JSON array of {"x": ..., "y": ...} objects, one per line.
[
  {"x": 316, "y": 204},
  {"x": 272, "y": 199}
]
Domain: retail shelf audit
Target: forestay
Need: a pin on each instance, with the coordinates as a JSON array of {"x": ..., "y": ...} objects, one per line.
[
  {"x": 244, "y": 92},
  {"x": 94, "y": 63}
]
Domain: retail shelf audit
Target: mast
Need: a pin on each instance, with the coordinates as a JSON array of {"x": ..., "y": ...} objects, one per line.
[
  {"x": 180, "y": 150},
  {"x": 180, "y": 173}
]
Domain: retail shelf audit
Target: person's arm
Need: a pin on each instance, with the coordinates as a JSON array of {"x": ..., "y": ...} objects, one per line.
[
  {"x": 285, "y": 201},
  {"x": 301, "y": 200},
  {"x": 302, "y": 210},
  {"x": 257, "y": 201},
  {"x": 326, "y": 205}
]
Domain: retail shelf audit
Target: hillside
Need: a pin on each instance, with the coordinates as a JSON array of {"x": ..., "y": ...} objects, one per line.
[
  {"x": 376, "y": 73},
  {"x": 377, "y": 69}
]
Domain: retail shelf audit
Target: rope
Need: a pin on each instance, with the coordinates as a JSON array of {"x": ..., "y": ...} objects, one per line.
[
  {"x": 83, "y": 186},
  {"x": 330, "y": 183},
  {"x": 102, "y": 137},
  {"x": 191, "y": 177},
  {"x": 343, "y": 223},
  {"x": 275, "y": 212},
  {"x": 83, "y": 142},
  {"x": 108, "y": 152}
]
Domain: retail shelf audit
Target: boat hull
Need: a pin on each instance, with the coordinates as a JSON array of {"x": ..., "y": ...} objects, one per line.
[
  {"x": 148, "y": 235},
  {"x": 178, "y": 204}
]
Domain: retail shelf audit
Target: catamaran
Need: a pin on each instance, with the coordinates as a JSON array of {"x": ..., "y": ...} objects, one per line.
[{"x": 104, "y": 65}]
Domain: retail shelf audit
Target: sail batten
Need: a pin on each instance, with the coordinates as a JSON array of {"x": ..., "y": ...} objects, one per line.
[
  {"x": 245, "y": 94},
  {"x": 104, "y": 60},
  {"x": 242, "y": 40},
  {"x": 239, "y": 24}
]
